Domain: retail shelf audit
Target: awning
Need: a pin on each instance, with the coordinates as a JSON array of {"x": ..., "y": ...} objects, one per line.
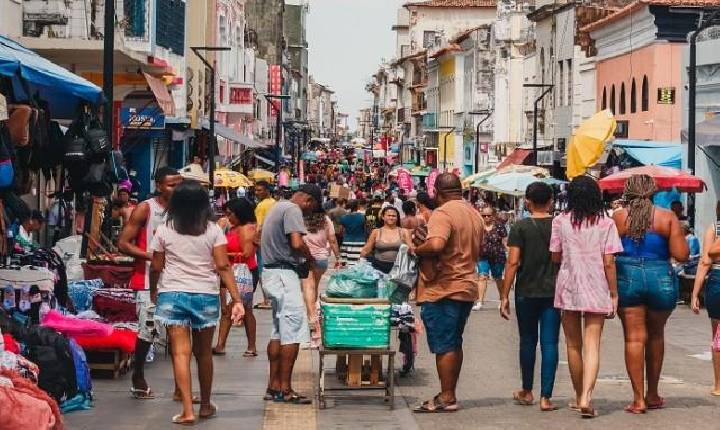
[
  {"x": 267, "y": 161},
  {"x": 230, "y": 134},
  {"x": 162, "y": 95},
  {"x": 652, "y": 153},
  {"x": 63, "y": 90},
  {"x": 518, "y": 156}
]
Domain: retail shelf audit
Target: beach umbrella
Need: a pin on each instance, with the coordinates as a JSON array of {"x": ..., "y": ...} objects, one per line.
[
  {"x": 666, "y": 178},
  {"x": 512, "y": 183},
  {"x": 588, "y": 142},
  {"x": 261, "y": 175},
  {"x": 231, "y": 179}
]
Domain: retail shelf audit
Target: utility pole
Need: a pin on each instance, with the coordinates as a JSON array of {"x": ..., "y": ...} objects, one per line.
[
  {"x": 548, "y": 88},
  {"x": 108, "y": 66}
]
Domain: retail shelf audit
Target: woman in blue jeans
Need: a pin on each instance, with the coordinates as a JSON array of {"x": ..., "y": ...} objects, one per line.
[
  {"x": 529, "y": 260},
  {"x": 709, "y": 267},
  {"x": 647, "y": 286}
]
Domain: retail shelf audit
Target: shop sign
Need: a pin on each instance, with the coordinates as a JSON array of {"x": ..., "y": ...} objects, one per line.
[
  {"x": 149, "y": 118},
  {"x": 666, "y": 95}
]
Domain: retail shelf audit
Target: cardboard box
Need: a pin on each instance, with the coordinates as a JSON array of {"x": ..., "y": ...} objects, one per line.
[{"x": 339, "y": 192}]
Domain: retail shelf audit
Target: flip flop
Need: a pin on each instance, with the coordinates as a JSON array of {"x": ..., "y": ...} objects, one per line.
[
  {"x": 520, "y": 401},
  {"x": 141, "y": 394},
  {"x": 250, "y": 354},
  {"x": 216, "y": 352},
  {"x": 270, "y": 394},
  {"x": 212, "y": 414},
  {"x": 588, "y": 412},
  {"x": 436, "y": 406},
  {"x": 632, "y": 409},
  {"x": 195, "y": 399},
  {"x": 573, "y": 407},
  {"x": 550, "y": 409},
  {"x": 657, "y": 405},
  {"x": 715, "y": 393},
  {"x": 179, "y": 420},
  {"x": 293, "y": 397}
]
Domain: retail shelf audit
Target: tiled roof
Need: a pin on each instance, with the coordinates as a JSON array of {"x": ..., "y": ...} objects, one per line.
[
  {"x": 453, "y": 47},
  {"x": 453, "y": 3},
  {"x": 636, "y": 5}
]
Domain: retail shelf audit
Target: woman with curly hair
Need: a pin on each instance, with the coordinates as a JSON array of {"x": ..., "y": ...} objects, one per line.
[
  {"x": 647, "y": 286},
  {"x": 584, "y": 241}
]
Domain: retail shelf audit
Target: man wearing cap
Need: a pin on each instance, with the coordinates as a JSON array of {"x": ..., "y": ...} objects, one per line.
[{"x": 286, "y": 260}]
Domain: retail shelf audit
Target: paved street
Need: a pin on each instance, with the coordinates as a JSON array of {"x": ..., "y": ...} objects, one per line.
[{"x": 490, "y": 374}]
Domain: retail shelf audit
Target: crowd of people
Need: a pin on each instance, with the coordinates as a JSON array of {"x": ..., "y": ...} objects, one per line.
[{"x": 572, "y": 268}]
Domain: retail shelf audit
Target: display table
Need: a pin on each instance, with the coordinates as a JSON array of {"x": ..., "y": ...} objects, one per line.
[{"x": 116, "y": 276}]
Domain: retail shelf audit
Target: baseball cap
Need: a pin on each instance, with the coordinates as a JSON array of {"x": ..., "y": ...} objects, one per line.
[{"x": 313, "y": 191}]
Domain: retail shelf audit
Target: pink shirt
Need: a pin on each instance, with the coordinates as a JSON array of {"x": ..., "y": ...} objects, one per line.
[{"x": 318, "y": 242}]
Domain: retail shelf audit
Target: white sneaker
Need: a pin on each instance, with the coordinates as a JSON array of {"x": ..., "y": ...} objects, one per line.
[{"x": 477, "y": 306}]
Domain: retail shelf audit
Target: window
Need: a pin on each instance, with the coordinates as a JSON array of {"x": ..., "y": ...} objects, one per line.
[
  {"x": 570, "y": 88},
  {"x": 560, "y": 85},
  {"x": 612, "y": 99},
  {"x": 621, "y": 130},
  {"x": 604, "y": 99},
  {"x": 645, "y": 100},
  {"x": 633, "y": 97},
  {"x": 170, "y": 31},
  {"x": 622, "y": 99},
  {"x": 428, "y": 39}
]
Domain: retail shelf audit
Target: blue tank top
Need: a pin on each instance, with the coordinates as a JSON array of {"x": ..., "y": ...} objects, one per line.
[{"x": 652, "y": 245}]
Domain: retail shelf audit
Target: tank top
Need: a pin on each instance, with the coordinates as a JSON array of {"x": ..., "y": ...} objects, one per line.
[
  {"x": 234, "y": 245},
  {"x": 140, "y": 279},
  {"x": 387, "y": 251},
  {"x": 652, "y": 245}
]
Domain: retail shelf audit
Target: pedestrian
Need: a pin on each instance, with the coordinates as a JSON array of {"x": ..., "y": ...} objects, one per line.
[
  {"x": 287, "y": 260},
  {"x": 189, "y": 252},
  {"x": 530, "y": 268},
  {"x": 710, "y": 265},
  {"x": 335, "y": 214},
  {"x": 264, "y": 202},
  {"x": 373, "y": 219},
  {"x": 353, "y": 227},
  {"x": 384, "y": 242},
  {"x": 411, "y": 221},
  {"x": 677, "y": 208},
  {"x": 647, "y": 286},
  {"x": 447, "y": 287},
  {"x": 494, "y": 253},
  {"x": 241, "y": 249},
  {"x": 584, "y": 241},
  {"x": 425, "y": 205},
  {"x": 135, "y": 240},
  {"x": 320, "y": 239}
]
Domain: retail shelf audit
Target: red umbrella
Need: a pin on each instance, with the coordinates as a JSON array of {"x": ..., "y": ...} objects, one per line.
[{"x": 666, "y": 178}]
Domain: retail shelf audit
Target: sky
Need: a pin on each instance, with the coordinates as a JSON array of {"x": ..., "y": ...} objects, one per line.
[{"x": 347, "y": 39}]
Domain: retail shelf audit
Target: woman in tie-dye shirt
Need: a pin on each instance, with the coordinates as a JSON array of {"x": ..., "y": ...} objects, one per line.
[{"x": 584, "y": 240}]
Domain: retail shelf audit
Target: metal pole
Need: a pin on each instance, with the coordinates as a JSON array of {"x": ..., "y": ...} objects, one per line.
[
  {"x": 535, "y": 109},
  {"x": 477, "y": 141},
  {"x": 108, "y": 66},
  {"x": 211, "y": 130},
  {"x": 692, "y": 84},
  {"x": 278, "y": 130}
]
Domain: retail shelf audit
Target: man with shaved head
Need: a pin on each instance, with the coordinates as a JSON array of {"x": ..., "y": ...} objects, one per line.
[{"x": 447, "y": 293}]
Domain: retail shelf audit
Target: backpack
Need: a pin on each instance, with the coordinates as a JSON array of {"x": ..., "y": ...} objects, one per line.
[
  {"x": 98, "y": 144},
  {"x": 51, "y": 352},
  {"x": 82, "y": 371}
]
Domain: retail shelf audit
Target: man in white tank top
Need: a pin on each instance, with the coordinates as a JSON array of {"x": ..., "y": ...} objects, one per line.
[{"x": 134, "y": 241}]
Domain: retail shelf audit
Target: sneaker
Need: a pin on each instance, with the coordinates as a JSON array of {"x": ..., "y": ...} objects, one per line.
[{"x": 477, "y": 306}]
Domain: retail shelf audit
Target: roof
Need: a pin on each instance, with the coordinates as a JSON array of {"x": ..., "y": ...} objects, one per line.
[
  {"x": 639, "y": 4},
  {"x": 409, "y": 57},
  {"x": 453, "y": 47},
  {"x": 466, "y": 33},
  {"x": 452, "y": 3}
]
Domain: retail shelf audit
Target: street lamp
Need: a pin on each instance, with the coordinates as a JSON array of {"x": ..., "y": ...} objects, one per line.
[
  {"x": 278, "y": 125},
  {"x": 449, "y": 131},
  {"x": 211, "y": 129},
  {"x": 548, "y": 88},
  {"x": 487, "y": 113}
]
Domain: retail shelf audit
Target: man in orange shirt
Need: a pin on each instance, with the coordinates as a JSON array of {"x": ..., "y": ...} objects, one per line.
[{"x": 448, "y": 288}]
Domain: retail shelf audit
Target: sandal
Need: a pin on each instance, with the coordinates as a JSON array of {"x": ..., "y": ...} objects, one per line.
[
  {"x": 632, "y": 409},
  {"x": 588, "y": 412},
  {"x": 212, "y": 414},
  {"x": 292, "y": 397},
  {"x": 657, "y": 405},
  {"x": 179, "y": 420},
  {"x": 270, "y": 394},
  {"x": 573, "y": 406},
  {"x": 520, "y": 401},
  {"x": 195, "y": 399},
  {"x": 250, "y": 354},
  {"x": 216, "y": 352},
  {"x": 436, "y": 405},
  {"x": 547, "y": 409},
  {"x": 141, "y": 394}
]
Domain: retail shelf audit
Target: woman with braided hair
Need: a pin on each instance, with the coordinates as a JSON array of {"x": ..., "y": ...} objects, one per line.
[
  {"x": 584, "y": 240},
  {"x": 647, "y": 286}
]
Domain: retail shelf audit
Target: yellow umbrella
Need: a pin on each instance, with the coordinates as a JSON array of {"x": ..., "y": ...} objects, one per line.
[
  {"x": 231, "y": 179},
  {"x": 261, "y": 175},
  {"x": 588, "y": 142},
  {"x": 469, "y": 180}
]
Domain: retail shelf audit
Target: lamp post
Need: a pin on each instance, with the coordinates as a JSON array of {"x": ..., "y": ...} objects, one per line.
[
  {"x": 211, "y": 128},
  {"x": 487, "y": 114},
  {"x": 449, "y": 131},
  {"x": 548, "y": 88},
  {"x": 278, "y": 125},
  {"x": 108, "y": 66}
]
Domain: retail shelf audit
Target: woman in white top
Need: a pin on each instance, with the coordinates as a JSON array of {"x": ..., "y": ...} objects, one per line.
[{"x": 189, "y": 252}]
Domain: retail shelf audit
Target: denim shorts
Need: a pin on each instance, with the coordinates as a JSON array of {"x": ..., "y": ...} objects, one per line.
[
  {"x": 445, "y": 323},
  {"x": 712, "y": 294},
  {"x": 289, "y": 315},
  {"x": 322, "y": 263},
  {"x": 194, "y": 310},
  {"x": 646, "y": 282},
  {"x": 486, "y": 269}
]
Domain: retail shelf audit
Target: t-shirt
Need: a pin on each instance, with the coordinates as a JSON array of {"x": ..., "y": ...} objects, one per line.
[
  {"x": 537, "y": 273},
  {"x": 453, "y": 272},
  {"x": 262, "y": 209},
  {"x": 335, "y": 214},
  {"x": 354, "y": 228},
  {"x": 284, "y": 218},
  {"x": 318, "y": 242},
  {"x": 189, "y": 263}
]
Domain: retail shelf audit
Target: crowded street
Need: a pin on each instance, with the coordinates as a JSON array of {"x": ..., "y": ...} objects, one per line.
[{"x": 359, "y": 214}]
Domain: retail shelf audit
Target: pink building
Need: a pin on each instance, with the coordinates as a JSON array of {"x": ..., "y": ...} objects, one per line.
[{"x": 639, "y": 64}]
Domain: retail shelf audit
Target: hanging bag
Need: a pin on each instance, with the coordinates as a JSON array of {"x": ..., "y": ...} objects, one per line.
[
  {"x": 19, "y": 124},
  {"x": 98, "y": 144},
  {"x": 7, "y": 173},
  {"x": 243, "y": 278},
  {"x": 405, "y": 270}
]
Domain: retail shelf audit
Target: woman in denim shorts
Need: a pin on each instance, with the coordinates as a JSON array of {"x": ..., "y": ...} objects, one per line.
[
  {"x": 189, "y": 250},
  {"x": 494, "y": 256},
  {"x": 710, "y": 267},
  {"x": 647, "y": 286}
]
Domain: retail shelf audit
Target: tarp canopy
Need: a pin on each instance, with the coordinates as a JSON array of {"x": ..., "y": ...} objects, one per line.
[
  {"x": 652, "y": 153},
  {"x": 62, "y": 90},
  {"x": 518, "y": 156},
  {"x": 230, "y": 134}
]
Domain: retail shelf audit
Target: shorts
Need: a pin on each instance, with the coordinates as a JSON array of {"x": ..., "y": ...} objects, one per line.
[
  {"x": 646, "y": 282},
  {"x": 194, "y": 310},
  {"x": 486, "y": 268},
  {"x": 148, "y": 331},
  {"x": 289, "y": 316},
  {"x": 712, "y": 294},
  {"x": 322, "y": 264},
  {"x": 444, "y": 322}
]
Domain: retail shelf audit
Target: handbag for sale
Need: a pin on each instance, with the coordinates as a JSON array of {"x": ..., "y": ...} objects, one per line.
[
  {"x": 243, "y": 278},
  {"x": 98, "y": 144},
  {"x": 7, "y": 174},
  {"x": 19, "y": 124},
  {"x": 405, "y": 269}
]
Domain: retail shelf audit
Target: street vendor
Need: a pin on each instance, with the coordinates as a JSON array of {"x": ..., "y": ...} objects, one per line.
[{"x": 29, "y": 224}]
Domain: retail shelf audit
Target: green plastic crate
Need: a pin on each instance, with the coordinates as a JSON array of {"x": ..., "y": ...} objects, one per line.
[{"x": 361, "y": 326}]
